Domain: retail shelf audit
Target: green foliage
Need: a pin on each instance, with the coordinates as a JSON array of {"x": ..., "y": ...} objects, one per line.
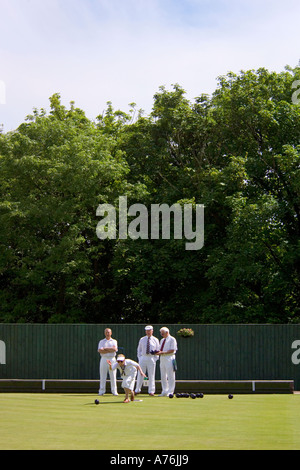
[
  {"x": 237, "y": 152},
  {"x": 55, "y": 170}
]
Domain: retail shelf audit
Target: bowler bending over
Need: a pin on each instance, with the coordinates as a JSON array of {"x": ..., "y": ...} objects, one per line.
[{"x": 128, "y": 370}]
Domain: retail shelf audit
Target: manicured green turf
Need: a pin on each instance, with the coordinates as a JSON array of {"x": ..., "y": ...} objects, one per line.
[{"x": 66, "y": 421}]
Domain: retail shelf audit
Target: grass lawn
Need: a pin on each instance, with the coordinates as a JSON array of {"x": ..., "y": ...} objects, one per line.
[{"x": 74, "y": 422}]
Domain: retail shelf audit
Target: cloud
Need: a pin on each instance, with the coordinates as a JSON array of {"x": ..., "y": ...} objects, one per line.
[{"x": 93, "y": 51}]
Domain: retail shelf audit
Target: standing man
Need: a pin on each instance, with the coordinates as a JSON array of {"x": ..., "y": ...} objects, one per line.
[
  {"x": 167, "y": 351},
  {"x": 107, "y": 349},
  {"x": 148, "y": 345}
]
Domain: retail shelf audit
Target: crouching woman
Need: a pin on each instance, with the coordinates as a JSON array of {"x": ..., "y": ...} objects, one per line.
[{"x": 128, "y": 370}]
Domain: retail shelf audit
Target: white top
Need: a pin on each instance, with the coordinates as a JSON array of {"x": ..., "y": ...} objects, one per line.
[
  {"x": 108, "y": 343},
  {"x": 170, "y": 343},
  {"x": 129, "y": 369},
  {"x": 142, "y": 346}
]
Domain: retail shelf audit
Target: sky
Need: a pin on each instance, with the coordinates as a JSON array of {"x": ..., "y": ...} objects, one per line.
[{"x": 95, "y": 51}]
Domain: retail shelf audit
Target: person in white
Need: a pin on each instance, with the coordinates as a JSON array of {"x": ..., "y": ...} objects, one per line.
[
  {"x": 128, "y": 370},
  {"x": 148, "y": 345},
  {"x": 167, "y": 352},
  {"x": 107, "y": 349}
]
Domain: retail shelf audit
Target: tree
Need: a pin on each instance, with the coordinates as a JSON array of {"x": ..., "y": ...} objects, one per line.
[
  {"x": 259, "y": 122},
  {"x": 237, "y": 152},
  {"x": 55, "y": 170}
]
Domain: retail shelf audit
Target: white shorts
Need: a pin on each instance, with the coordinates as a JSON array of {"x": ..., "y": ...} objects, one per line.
[{"x": 128, "y": 381}]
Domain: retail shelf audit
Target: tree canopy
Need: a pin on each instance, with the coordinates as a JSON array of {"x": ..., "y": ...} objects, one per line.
[{"x": 237, "y": 152}]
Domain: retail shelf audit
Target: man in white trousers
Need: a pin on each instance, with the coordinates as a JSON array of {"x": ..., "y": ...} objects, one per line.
[
  {"x": 167, "y": 354},
  {"x": 107, "y": 349},
  {"x": 148, "y": 345}
]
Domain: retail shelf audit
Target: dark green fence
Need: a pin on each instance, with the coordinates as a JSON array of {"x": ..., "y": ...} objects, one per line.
[{"x": 215, "y": 352}]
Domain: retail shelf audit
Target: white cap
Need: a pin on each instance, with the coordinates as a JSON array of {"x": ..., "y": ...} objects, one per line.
[
  {"x": 120, "y": 357},
  {"x": 148, "y": 327}
]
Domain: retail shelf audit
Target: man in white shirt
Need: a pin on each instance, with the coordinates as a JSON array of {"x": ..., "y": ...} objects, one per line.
[
  {"x": 167, "y": 351},
  {"x": 128, "y": 369},
  {"x": 148, "y": 345},
  {"x": 107, "y": 349}
]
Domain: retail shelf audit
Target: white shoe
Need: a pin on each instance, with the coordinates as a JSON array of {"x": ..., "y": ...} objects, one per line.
[
  {"x": 115, "y": 394},
  {"x": 101, "y": 394},
  {"x": 163, "y": 395}
]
